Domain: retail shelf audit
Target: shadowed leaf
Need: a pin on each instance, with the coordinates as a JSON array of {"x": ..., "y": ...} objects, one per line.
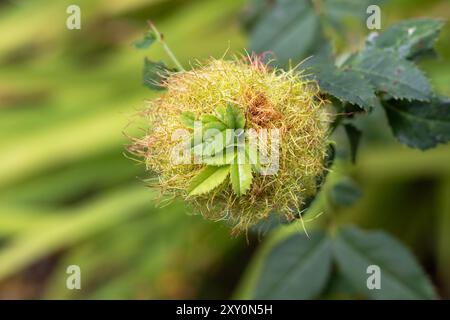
[
  {"x": 420, "y": 125},
  {"x": 401, "y": 275}
]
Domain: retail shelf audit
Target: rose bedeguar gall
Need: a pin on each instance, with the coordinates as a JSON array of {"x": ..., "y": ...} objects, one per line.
[{"x": 268, "y": 98}]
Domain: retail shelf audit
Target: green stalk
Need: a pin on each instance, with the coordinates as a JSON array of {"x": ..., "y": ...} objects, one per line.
[{"x": 160, "y": 39}]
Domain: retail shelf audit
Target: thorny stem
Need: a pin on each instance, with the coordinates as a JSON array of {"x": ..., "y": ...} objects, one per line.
[{"x": 160, "y": 39}]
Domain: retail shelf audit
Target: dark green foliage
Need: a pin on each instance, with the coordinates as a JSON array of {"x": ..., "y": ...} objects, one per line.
[
  {"x": 345, "y": 192},
  {"x": 411, "y": 38},
  {"x": 401, "y": 276},
  {"x": 388, "y": 73},
  {"x": 154, "y": 74},
  {"x": 301, "y": 268},
  {"x": 354, "y": 136},
  {"x": 419, "y": 124},
  {"x": 296, "y": 268}
]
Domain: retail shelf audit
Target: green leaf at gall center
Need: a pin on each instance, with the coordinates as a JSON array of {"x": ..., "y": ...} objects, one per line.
[
  {"x": 401, "y": 275},
  {"x": 208, "y": 179},
  {"x": 235, "y": 118},
  {"x": 188, "y": 119},
  {"x": 420, "y": 125},
  {"x": 241, "y": 177}
]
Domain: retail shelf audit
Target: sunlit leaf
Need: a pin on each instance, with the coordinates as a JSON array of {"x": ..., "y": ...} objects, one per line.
[
  {"x": 241, "y": 173},
  {"x": 188, "y": 119},
  {"x": 208, "y": 179},
  {"x": 235, "y": 118}
]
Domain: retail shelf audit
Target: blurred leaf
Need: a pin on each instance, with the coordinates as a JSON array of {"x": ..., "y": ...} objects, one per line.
[
  {"x": 295, "y": 268},
  {"x": 354, "y": 136},
  {"x": 144, "y": 43},
  {"x": 339, "y": 288},
  {"x": 410, "y": 38},
  {"x": 401, "y": 275},
  {"x": 108, "y": 210},
  {"x": 208, "y": 179},
  {"x": 420, "y": 125},
  {"x": 337, "y": 10},
  {"x": 154, "y": 73},
  {"x": 388, "y": 73},
  {"x": 346, "y": 192},
  {"x": 289, "y": 30}
]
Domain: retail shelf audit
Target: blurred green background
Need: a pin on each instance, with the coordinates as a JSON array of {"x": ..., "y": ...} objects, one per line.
[{"x": 68, "y": 195}]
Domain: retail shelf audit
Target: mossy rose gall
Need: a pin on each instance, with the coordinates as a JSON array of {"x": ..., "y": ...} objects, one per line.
[{"x": 246, "y": 95}]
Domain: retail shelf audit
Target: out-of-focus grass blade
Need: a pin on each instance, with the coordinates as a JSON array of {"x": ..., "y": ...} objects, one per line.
[{"x": 73, "y": 226}]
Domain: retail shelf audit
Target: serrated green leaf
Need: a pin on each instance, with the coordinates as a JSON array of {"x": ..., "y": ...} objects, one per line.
[
  {"x": 235, "y": 118},
  {"x": 252, "y": 154},
  {"x": 401, "y": 275},
  {"x": 221, "y": 112},
  {"x": 210, "y": 128},
  {"x": 208, "y": 179},
  {"x": 216, "y": 143},
  {"x": 154, "y": 73},
  {"x": 410, "y": 38},
  {"x": 241, "y": 176},
  {"x": 388, "y": 73},
  {"x": 144, "y": 43},
  {"x": 420, "y": 125},
  {"x": 296, "y": 268},
  {"x": 217, "y": 134},
  {"x": 188, "y": 119},
  {"x": 346, "y": 85},
  {"x": 289, "y": 30}
]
